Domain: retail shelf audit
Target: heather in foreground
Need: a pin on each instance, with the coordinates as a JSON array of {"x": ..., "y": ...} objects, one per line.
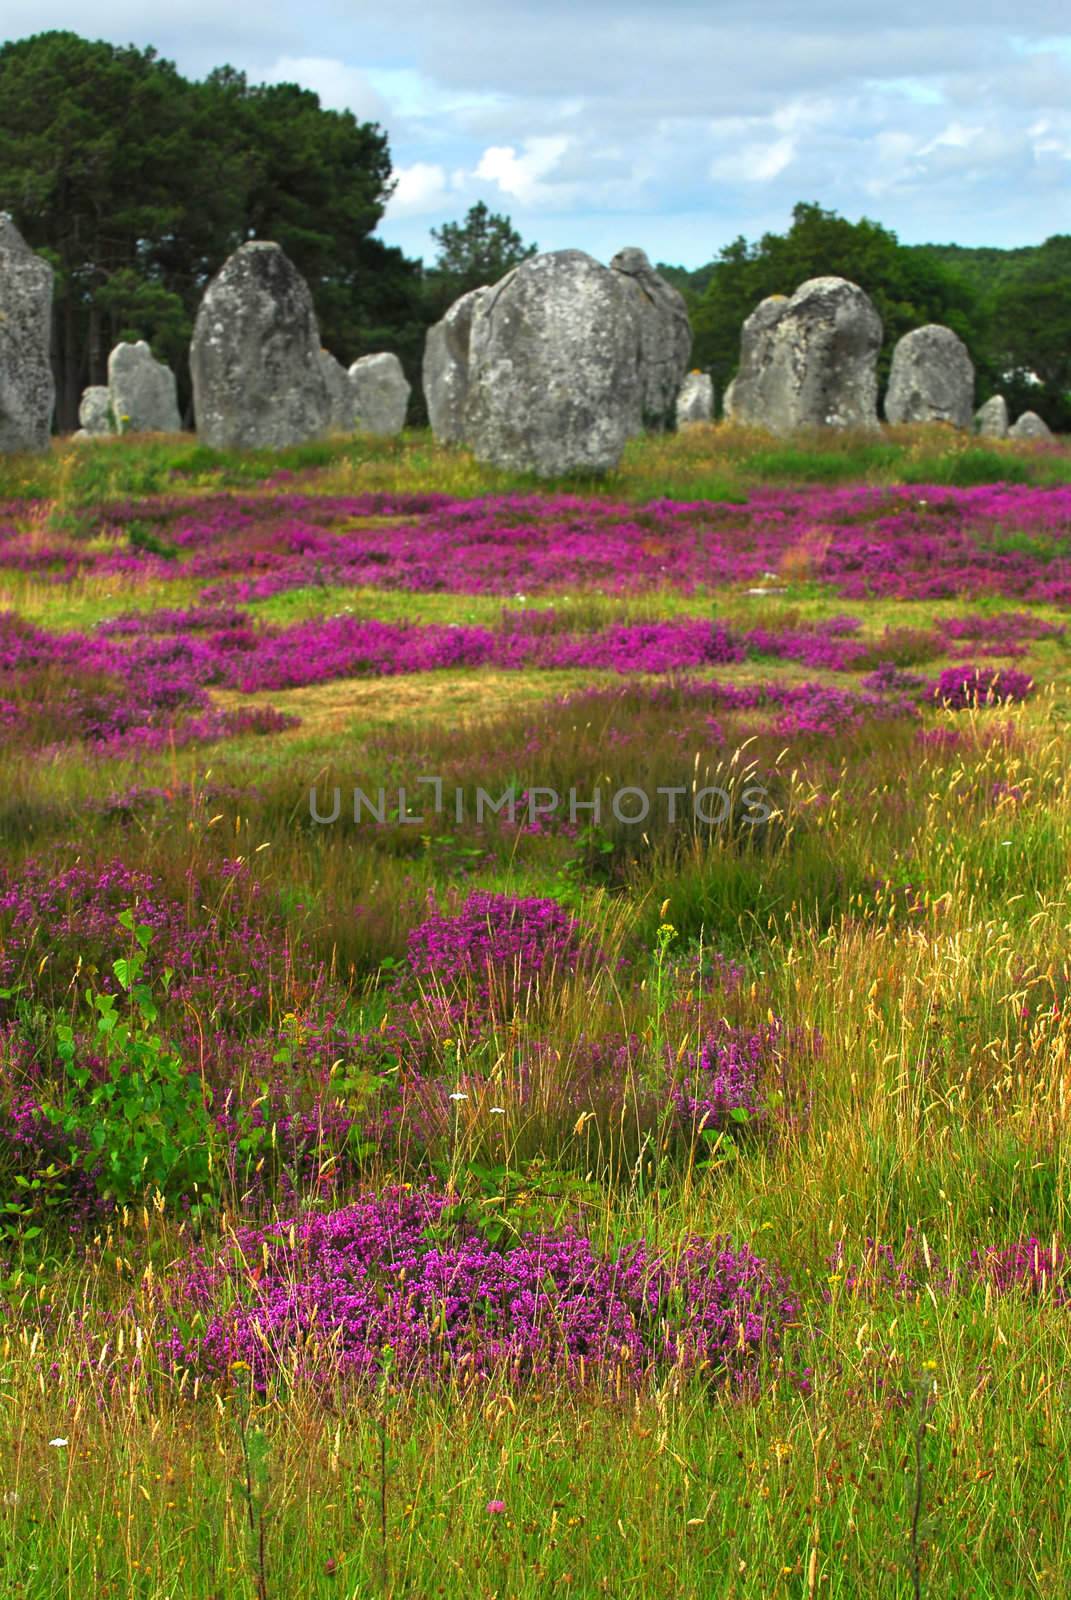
[{"x": 648, "y": 1178}]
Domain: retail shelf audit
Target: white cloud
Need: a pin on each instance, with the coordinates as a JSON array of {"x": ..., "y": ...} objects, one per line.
[
  {"x": 520, "y": 175},
  {"x": 340, "y": 87},
  {"x": 755, "y": 163},
  {"x": 422, "y": 190}
]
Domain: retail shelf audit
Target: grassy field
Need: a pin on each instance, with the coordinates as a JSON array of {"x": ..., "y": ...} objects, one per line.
[{"x": 444, "y": 1200}]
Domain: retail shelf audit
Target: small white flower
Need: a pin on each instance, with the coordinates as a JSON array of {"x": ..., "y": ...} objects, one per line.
[
  {"x": 498, "y": 1111},
  {"x": 57, "y": 1441},
  {"x": 457, "y": 1096},
  {"x": 11, "y": 1497}
]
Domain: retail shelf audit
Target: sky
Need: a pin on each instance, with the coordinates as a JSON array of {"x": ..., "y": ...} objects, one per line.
[{"x": 595, "y": 124}]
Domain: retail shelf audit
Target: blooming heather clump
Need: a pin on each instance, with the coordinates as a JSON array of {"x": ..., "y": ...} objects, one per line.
[
  {"x": 496, "y": 936},
  {"x": 729, "y": 1079},
  {"x": 1028, "y": 1267},
  {"x": 321, "y": 1298},
  {"x": 961, "y": 687}
]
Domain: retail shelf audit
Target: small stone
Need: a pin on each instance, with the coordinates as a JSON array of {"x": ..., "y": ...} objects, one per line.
[
  {"x": 695, "y": 402},
  {"x": 1030, "y": 426},
  {"x": 341, "y": 394},
  {"x": 95, "y": 411},
  {"x": 991, "y": 419},
  {"x": 144, "y": 396},
  {"x": 381, "y": 394}
]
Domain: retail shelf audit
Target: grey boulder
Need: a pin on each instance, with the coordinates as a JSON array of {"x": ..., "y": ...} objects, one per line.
[
  {"x": 1030, "y": 426},
  {"x": 258, "y": 379},
  {"x": 555, "y": 377},
  {"x": 695, "y": 401},
  {"x": 381, "y": 394},
  {"x": 991, "y": 419},
  {"x": 341, "y": 395},
  {"x": 27, "y": 391},
  {"x": 665, "y": 336},
  {"x": 809, "y": 360},
  {"x": 931, "y": 378},
  {"x": 445, "y": 372},
  {"x": 143, "y": 393},
  {"x": 95, "y": 411}
]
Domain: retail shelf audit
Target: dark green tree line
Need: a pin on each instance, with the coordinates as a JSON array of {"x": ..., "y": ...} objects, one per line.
[{"x": 137, "y": 184}]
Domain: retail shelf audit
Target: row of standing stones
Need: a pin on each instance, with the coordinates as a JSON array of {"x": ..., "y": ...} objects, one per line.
[{"x": 550, "y": 370}]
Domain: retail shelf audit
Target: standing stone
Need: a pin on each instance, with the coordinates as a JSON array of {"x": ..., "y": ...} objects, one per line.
[
  {"x": 258, "y": 379},
  {"x": 381, "y": 394},
  {"x": 95, "y": 411},
  {"x": 991, "y": 420},
  {"x": 27, "y": 391},
  {"x": 665, "y": 336},
  {"x": 340, "y": 392},
  {"x": 1030, "y": 426},
  {"x": 445, "y": 373},
  {"x": 695, "y": 402},
  {"x": 555, "y": 378},
  {"x": 931, "y": 378},
  {"x": 809, "y": 361},
  {"x": 143, "y": 392},
  {"x": 754, "y": 352}
]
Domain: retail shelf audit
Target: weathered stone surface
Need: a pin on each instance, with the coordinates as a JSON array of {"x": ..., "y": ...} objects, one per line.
[
  {"x": 381, "y": 394},
  {"x": 931, "y": 378},
  {"x": 665, "y": 336},
  {"x": 258, "y": 379},
  {"x": 754, "y": 354},
  {"x": 555, "y": 378},
  {"x": 1030, "y": 426},
  {"x": 341, "y": 394},
  {"x": 809, "y": 361},
  {"x": 143, "y": 391},
  {"x": 991, "y": 420},
  {"x": 27, "y": 392},
  {"x": 95, "y": 411},
  {"x": 695, "y": 402},
  {"x": 445, "y": 374}
]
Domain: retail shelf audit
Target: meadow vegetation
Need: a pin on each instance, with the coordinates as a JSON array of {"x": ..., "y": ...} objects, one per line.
[{"x": 436, "y": 1201}]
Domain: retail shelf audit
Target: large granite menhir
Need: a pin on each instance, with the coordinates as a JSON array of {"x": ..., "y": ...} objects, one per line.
[
  {"x": 931, "y": 378},
  {"x": 445, "y": 372},
  {"x": 258, "y": 380},
  {"x": 665, "y": 337},
  {"x": 555, "y": 379},
  {"x": 27, "y": 390},
  {"x": 809, "y": 361}
]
